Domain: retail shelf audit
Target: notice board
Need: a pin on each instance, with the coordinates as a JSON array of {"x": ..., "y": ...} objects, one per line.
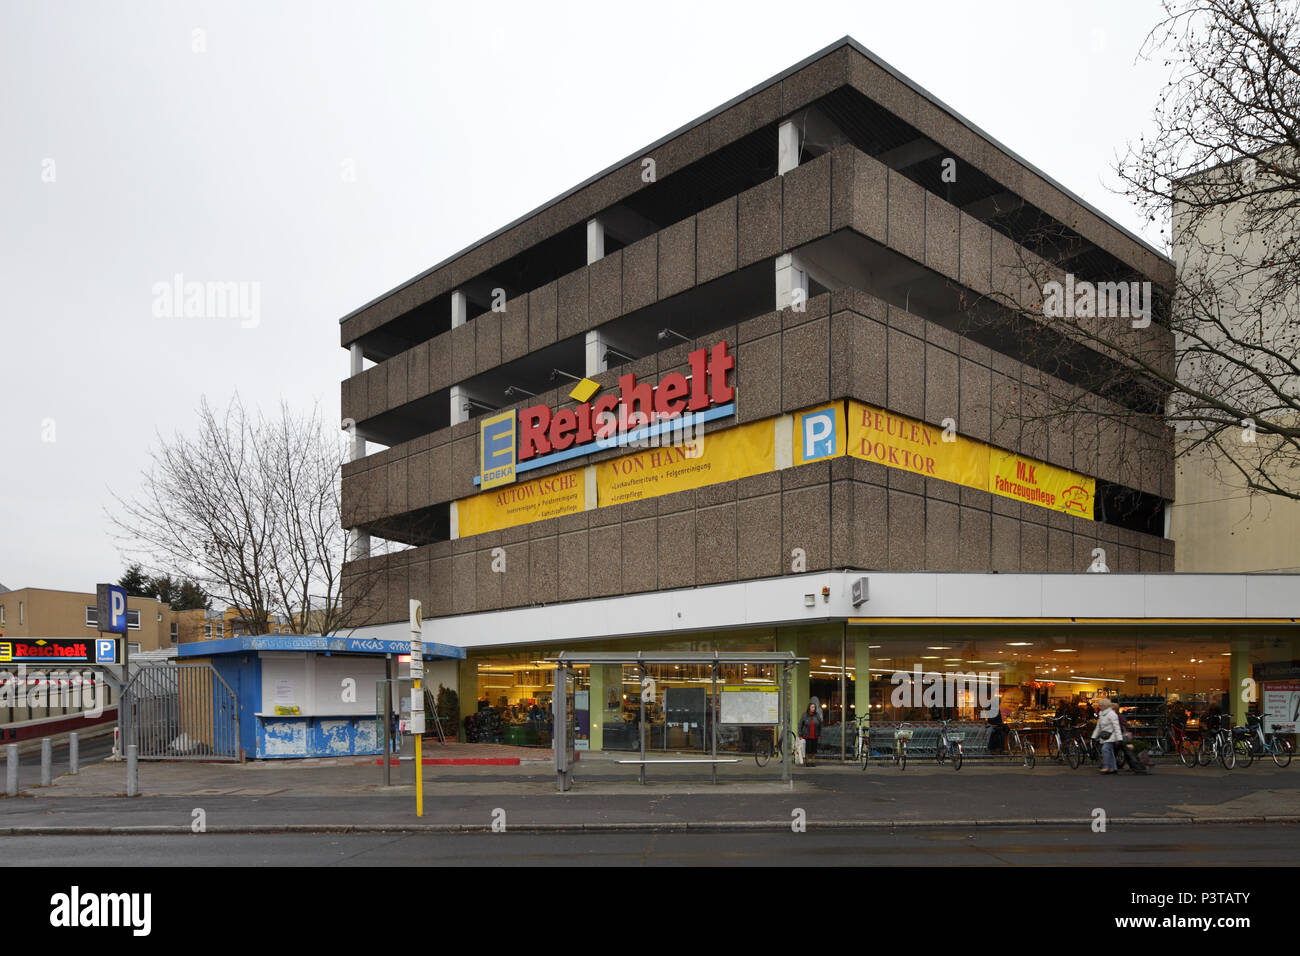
[{"x": 746, "y": 704}]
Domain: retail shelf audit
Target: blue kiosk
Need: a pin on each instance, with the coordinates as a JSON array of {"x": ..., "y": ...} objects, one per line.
[{"x": 309, "y": 696}]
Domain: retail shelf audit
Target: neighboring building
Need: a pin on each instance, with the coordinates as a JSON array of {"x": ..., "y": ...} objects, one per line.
[
  {"x": 803, "y": 274},
  {"x": 1219, "y": 524},
  {"x": 41, "y": 612}
]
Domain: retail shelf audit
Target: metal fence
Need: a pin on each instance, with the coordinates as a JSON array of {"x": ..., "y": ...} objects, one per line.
[{"x": 182, "y": 712}]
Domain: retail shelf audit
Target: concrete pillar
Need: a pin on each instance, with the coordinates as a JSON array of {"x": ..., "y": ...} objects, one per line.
[
  {"x": 789, "y": 277},
  {"x": 356, "y": 361},
  {"x": 1239, "y": 670},
  {"x": 459, "y": 309},
  {"x": 595, "y": 354},
  {"x": 11, "y": 770},
  {"x": 787, "y": 147},
  {"x": 595, "y": 240},
  {"x": 132, "y": 771},
  {"x": 47, "y": 761},
  {"x": 458, "y": 412},
  {"x": 360, "y": 544},
  {"x": 74, "y": 753}
]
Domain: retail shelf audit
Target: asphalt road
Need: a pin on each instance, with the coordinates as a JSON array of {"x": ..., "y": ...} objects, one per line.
[
  {"x": 1198, "y": 846},
  {"x": 88, "y": 752}
]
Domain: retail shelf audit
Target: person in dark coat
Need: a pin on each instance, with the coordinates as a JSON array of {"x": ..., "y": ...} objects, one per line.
[{"x": 810, "y": 730}]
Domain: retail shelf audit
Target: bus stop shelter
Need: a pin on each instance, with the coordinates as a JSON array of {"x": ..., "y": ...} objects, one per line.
[{"x": 562, "y": 702}]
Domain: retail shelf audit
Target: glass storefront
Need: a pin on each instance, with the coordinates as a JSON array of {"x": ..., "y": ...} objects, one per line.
[{"x": 1017, "y": 673}]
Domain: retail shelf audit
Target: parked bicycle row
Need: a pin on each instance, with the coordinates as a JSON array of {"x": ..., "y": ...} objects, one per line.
[{"x": 949, "y": 743}]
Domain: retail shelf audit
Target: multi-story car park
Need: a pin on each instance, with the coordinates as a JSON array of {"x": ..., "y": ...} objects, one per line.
[{"x": 830, "y": 277}]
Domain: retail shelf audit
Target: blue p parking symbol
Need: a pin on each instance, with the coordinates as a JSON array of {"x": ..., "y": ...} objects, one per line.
[
  {"x": 817, "y": 434},
  {"x": 106, "y": 651}
]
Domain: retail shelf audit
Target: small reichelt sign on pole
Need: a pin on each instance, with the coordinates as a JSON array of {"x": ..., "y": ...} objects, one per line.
[{"x": 417, "y": 701}]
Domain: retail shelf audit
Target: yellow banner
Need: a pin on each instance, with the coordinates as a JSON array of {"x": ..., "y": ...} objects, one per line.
[
  {"x": 1024, "y": 479},
  {"x": 709, "y": 459},
  {"x": 522, "y": 503},
  {"x": 896, "y": 441}
]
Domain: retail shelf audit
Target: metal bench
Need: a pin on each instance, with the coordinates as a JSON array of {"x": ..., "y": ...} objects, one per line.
[{"x": 712, "y": 761}]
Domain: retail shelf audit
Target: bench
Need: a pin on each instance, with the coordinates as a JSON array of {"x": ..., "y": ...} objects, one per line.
[{"x": 712, "y": 761}]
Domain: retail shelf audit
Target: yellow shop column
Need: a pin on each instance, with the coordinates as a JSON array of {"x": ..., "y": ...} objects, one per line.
[
  {"x": 1238, "y": 672},
  {"x": 604, "y": 681},
  {"x": 800, "y": 686},
  {"x": 468, "y": 695}
]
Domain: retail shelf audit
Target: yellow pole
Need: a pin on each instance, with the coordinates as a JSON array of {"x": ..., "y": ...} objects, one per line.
[
  {"x": 417, "y": 697},
  {"x": 418, "y": 694}
]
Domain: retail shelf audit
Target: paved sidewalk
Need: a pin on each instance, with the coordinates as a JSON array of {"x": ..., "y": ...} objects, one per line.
[{"x": 348, "y": 795}]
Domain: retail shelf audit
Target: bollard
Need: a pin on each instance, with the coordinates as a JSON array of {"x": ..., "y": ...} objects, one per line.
[
  {"x": 11, "y": 772},
  {"x": 132, "y": 780},
  {"x": 47, "y": 761},
  {"x": 73, "y": 752}
]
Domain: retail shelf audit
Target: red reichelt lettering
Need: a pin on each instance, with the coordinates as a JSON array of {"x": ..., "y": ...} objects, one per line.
[{"x": 541, "y": 433}]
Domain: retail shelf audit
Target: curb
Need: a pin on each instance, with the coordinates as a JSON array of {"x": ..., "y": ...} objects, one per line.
[{"x": 635, "y": 827}]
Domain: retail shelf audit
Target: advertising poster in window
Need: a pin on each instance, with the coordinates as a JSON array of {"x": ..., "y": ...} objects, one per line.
[{"x": 1280, "y": 703}]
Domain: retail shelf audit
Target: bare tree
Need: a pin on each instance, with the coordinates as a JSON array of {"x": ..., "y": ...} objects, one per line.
[
  {"x": 1214, "y": 360},
  {"x": 250, "y": 509}
]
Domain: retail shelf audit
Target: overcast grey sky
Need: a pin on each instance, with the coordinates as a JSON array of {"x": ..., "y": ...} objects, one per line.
[{"x": 128, "y": 156}]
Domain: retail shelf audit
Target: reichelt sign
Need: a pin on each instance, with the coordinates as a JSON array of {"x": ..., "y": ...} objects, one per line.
[{"x": 537, "y": 435}]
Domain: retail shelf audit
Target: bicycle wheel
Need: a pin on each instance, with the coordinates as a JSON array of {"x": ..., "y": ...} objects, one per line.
[
  {"x": 1028, "y": 752},
  {"x": 763, "y": 752},
  {"x": 941, "y": 751},
  {"x": 1072, "y": 755},
  {"x": 957, "y": 757},
  {"x": 1188, "y": 753},
  {"x": 1281, "y": 751},
  {"x": 1245, "y": 753},
  {"x": 1224, "y": 751},
  {"x": 902, "y": 755},
  {"x": 1205, "y": 752},
  {"x": 1053, "y": 747}
]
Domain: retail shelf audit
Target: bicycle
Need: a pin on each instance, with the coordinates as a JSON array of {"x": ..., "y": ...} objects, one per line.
[
  {"x": 1184, "y": 744},
  {"x": 1217, "y": 744},
  {"x": 949, "y": 746},
  {"x": 901, "y": 736},
  {"x": 1017, "y": 744},
  {"x": 767, "y": 747},
  {"x": 1078, "y": 748},
  {"x": 1256, "y": 743},
  {"x": 864, "y": 741},
  {"x": 1055, "y": 744}
]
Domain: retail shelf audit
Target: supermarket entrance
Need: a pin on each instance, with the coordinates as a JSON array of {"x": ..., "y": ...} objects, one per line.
[{"x": 697, "y": 705}]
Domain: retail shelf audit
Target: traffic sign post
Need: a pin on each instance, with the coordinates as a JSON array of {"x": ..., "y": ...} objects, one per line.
[
  {"x": 111, "y": 617},
  {"x": 417, "y": 701}
]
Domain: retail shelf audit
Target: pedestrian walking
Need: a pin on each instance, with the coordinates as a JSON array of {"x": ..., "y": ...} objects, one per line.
[
  {"x": 1107, "y": 733},
  {"x": 810, "y": 729}
]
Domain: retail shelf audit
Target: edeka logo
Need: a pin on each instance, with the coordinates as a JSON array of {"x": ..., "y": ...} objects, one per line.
[
  {"x": 497, "y": 444},
  {"x": 818, "y": 438}
]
